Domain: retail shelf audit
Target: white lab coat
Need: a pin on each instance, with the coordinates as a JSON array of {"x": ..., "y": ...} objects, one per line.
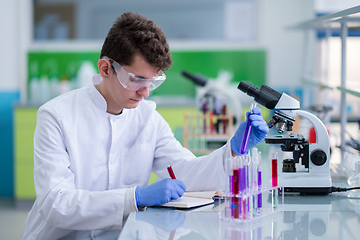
[{"x": 88, "y": 162}]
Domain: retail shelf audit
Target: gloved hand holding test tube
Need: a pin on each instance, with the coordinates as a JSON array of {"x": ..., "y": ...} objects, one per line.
[
  {"x": 245, "y": 140},
  {"x": 250, "y": 132},
  {"x": 244, "y": 183}
]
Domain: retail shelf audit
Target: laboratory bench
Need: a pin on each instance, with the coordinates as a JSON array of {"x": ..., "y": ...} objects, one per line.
[{"x": 334, "y": 216}]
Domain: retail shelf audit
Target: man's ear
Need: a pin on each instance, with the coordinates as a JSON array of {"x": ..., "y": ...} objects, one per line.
[{"x": 105, "y": 68}]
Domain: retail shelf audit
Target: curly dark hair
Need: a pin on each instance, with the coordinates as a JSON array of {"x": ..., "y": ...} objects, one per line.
[{"x": 133, "y": 33}]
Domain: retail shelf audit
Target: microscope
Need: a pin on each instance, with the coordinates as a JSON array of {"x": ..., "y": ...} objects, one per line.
[
  {"x": 311, "y": 159},
  {"x": 221, "y": 88}
]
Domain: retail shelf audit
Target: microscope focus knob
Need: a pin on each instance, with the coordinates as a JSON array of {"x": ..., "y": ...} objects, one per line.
[{"x": 318, "y": 157}]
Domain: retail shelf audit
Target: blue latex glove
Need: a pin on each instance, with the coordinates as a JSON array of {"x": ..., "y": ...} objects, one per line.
[
  {"x": 159, "y": 192},
  {"x": 258, "y": 133}
]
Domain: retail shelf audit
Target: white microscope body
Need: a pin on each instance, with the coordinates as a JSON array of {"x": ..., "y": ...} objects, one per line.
[
  {"x": 315, "y": 177},
  {"x": 318, "y": 174}
]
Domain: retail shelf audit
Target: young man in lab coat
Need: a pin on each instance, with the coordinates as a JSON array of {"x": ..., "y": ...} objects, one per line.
[{"x": 95, "y": 147}]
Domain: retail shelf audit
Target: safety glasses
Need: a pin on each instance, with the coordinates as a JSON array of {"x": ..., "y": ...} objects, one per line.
[{"x": 132, "y": 82}]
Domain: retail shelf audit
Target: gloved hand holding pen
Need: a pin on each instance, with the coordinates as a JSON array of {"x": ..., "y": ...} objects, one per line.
[
  {"x": 258, "y": 133},
  {"x": 159, "y": 192}
]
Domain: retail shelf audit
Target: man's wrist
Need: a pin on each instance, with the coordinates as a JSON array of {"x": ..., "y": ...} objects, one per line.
[{"x": 136, "y": 200}]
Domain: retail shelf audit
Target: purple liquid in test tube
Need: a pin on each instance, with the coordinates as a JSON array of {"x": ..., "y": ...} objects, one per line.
[
  {"x": 259, "y": 181},
  {"x": 242, "y": 188},
  {"x": 259, "y": 185},
  {"x": 247, "y": 182},
  {"x": 247, "y": 132}
]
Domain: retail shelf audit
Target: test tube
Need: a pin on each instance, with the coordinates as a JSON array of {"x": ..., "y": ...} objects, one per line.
[
  {"x": 224, "y": 121},
  {"x": 195, "y": 138},
  {"x": 228, "y": 201},
  {"x": 274, "y": 181},
  {"x": 204, "y": 109},
  {"x": 243, "y": 186},
  {"x": 254, "y": 177},
  {"x": 202, "y": 138},
  {"x": 247, "y": 132},
  {"x": 274, "y": 170},
  {"x": 217, "y": 112},
  {"x": 229, "y": 164},
  {"x": 259, "y": 181},
  {"x": 211, "y": 113},
  {"x": 235, "y": 188},
  {"x": 254, "y": 167},
  {"x": 190, "y": 137},
  {"x": 247, "y": 162}
]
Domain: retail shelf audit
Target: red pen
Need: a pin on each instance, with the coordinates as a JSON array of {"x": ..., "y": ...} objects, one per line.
[
  {"x": 172, "y": 235},
  {"x": 171, "y": 172},
  {"x": 172, "y": 175}
]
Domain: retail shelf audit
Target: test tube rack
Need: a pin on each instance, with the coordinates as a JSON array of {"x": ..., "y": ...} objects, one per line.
[
  {"x": 245, "y": 200},
  {"x": 203, "y": 133},
  {"x": 258, "y": 228}
]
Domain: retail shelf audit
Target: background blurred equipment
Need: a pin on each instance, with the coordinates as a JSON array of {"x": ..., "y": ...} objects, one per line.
[
  {"x": 203, "y": 133},
  {"x": 214, "y": 94},
  {"x": 314, "y": 176}
]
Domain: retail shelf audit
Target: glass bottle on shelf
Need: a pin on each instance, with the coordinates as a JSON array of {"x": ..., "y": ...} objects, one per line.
[{"x": 354, "y": 181}]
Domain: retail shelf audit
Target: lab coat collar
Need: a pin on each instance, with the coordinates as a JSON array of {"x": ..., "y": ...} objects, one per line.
[{"x": 96, "y": 96}]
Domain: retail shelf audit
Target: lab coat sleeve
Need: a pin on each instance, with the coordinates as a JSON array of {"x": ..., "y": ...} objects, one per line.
[
  {"x": 198, "y": 173},
  {"x": 59, "y": 202}
]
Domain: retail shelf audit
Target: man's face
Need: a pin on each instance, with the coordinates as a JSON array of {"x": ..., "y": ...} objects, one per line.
[{"x": 121, "y": 97}]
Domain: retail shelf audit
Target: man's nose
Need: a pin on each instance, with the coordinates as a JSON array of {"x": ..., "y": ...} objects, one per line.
[{"x": 144, "y": 91}]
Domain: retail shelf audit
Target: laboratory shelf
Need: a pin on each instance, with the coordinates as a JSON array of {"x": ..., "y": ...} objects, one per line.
[
  {"x": 352, "y": 92},
  {"x": 344, "y": 21},
  {"x": 316, "y": 83},
  {"x": 350, "y": 16}
]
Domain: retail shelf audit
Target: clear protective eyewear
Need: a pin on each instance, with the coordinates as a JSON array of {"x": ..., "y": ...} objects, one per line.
[{"x": 132, "y": 82}]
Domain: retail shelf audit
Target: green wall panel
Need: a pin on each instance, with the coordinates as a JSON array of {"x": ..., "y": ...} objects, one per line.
[
  {"x": 24, "y": 127},
  {"x": 246, "y": 65},
  {"x": 24, "y": 183}
]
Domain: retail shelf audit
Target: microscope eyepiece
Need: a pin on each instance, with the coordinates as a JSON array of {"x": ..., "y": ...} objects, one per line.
[
  {"x": 249, "y": 89},
  {"x": 266, "y": 96},
  {"x": 198, "y": 79}
]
